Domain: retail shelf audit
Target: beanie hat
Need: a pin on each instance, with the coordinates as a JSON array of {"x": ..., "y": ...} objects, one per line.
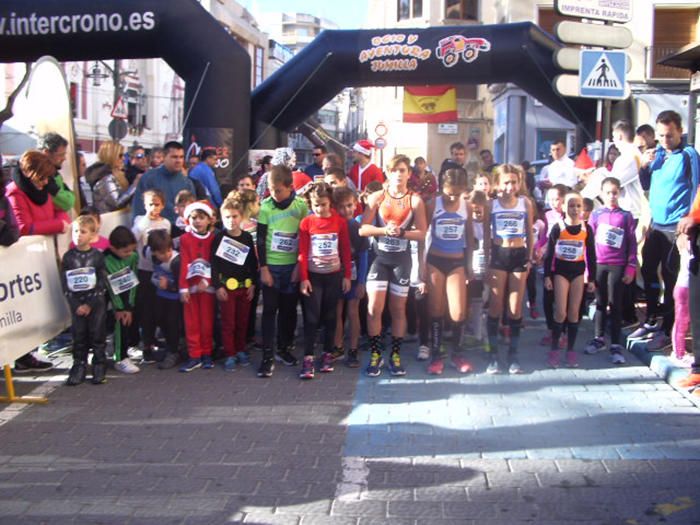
[
  {"x": 284, "y": 157},
  {"x": 364, "y": 147}
]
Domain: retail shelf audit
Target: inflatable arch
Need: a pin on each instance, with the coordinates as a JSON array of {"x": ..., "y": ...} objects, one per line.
[
  {"x": 216, "y": 69},
  {"x": 520, "y": 53}
]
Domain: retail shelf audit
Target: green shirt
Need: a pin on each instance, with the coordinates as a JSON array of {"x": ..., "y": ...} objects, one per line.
[
  {"x": 64, "y": 199},
  {"x": 282, "y": 239},
  {"x": 114, "y": 264}
]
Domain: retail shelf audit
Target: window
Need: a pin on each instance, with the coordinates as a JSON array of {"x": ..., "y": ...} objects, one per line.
[
  {"x": 462, "y": 9},
  {"x": 258, "y": 75},
  {"x": 407, "y": 9},
  {"x": 73, "y": 92},
  {"x": 466, "y": 91}
]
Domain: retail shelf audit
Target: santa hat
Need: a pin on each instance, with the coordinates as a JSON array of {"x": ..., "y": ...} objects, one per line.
[
  {"x": 583, "y": 161},
  {"x": 284, "y": 157},
  {"x": 202, "y": 206},
  {"x": 364, "y": 147}
]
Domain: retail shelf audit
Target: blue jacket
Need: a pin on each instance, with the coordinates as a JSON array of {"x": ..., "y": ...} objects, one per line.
[
  {"x": 672, "y": 181},
  {"x": 204, "y": 174},
  {"x": 169, "y": 183}
]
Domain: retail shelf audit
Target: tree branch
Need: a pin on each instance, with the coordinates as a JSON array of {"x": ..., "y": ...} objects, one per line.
[{"x": 6, "y": 113}]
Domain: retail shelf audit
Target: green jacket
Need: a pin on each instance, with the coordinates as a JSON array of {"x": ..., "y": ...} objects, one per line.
[
  {"x": 64, "y": 198},
  {"x": 114, "y": 264}
]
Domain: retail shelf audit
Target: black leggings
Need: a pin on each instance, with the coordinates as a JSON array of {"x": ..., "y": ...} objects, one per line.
[
  {"x": 609, "y": 293},
  {"x": 417, "y": 319},
  {"x": 532, "y": 287},
  {"x": 90, "y": 332},
  {"x": 659, "y": 249},
  {"x": 286, "y": 305},
  {"x": 320, "y": 309}
]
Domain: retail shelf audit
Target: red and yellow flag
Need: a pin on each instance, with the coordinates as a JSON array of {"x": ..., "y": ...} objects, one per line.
[{"x": 429, "y": 104}]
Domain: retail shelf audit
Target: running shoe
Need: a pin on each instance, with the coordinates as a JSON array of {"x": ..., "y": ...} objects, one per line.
[
  {"x": 658, "y": 342},
  {"x": 644, "y": 330},
  {"x": 125, "y": 366},
  {"x": 514, "y": 368},
  {"x": 534, "y": 314},
  {"x": 595, "y": 345},
  {"x": 395, "y": 368},
  {"x": 31, "y": 363},
  {"x": 554, "y": 358},
  {"x": 562, "y": 342},
  {"x": 230, "y": 364},
  {"x": 326, "y": 362},
  {"x": 682, "y": 362},
  {"x": 571, "y": 360},
  {"x": 423, "y": 353},
  {"x": 494, "y": 367},
  {"x": 169, "y": 361},
  {"x": 190, "y": 364},
  {"x": 76, "y": 375},
  {"x": 207, "y": 362},
  {"x": 285, "y": 356},
  {"x": 337, "y": 353},
  {"x": 243, "y": 359},
  {"x": 436, "y": 367},
  {"x": 374, "y": 368},
  {"x": 616, "y": 355},
  {"x": 267, "y": 365},
  {"x": 546, "y": 340},
  {"x": 351, "y": 360},
  {"x": 462, "y": 365},
  {"x": 307, "y": 368},
  {"x": 692, "y": 381}
]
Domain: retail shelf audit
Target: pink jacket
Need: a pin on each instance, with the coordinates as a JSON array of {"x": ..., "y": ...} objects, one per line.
[{"x": 35, "y": 219}]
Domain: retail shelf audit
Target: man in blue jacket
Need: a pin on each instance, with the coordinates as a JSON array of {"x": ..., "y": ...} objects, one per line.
[
  {"x": 169, "y": 178},
  {"x": 204, "y": 173},
  {"x": 671, "y": 173}
]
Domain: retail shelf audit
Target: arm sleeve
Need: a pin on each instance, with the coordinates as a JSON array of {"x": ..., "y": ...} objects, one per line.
[
  {"x": 590, "y": 254},
  {"x": 251, "y": 263},
  {"x": 262, "y": 243},
  {"x": 214, "y": 189},
  {"x": 184, "y": 262},
  {"x": 304, "y": 250},
  {"x": 98, "y": 293},
  {"x": 73, "y": 303},
  {"x": 116, "y": 299},
  {"x": 549, "y": 254},
  {"x": 175, "y": 268},
  {"x": 631, "y": 240},
  {"x": 216, "y": 263},
  {"x": 64, "y": 198},
  {"x": 345, "y": 249},
  {"x": 137, "y": 207}
]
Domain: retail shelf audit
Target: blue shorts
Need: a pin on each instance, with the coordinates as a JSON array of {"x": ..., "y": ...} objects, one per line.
[{"x": 282, "y": 277}]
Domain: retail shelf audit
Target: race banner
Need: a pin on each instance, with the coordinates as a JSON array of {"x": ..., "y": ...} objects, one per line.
[
  {"x": 429, "y": 104},
  {"x": 32, "y": 306}
]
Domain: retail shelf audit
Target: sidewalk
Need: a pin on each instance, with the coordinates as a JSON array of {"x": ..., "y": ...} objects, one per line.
[{"x": 599, "y": 444}]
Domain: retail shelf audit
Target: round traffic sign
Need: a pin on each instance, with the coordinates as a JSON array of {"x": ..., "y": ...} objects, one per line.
[
  {"x": 381, "y": 129},
  {"x": 117, "y": 129},
  {"x": 380, "y": 143}
]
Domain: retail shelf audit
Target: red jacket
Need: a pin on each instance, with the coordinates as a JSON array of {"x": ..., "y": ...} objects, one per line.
[
  {"x": 371, "y": 173},
  {"x": 35, "y": 219},
  {"x": 195, "y": 248},
  {"x": 335, "y": 256}
]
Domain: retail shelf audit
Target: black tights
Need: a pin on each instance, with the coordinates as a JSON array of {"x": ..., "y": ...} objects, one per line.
[
  {"x": 283, "y": 308},
  {"x": 320, "y": 309}
]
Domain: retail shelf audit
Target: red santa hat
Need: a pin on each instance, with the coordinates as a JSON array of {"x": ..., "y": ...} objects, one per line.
[
  {"x": 364, "y": 147},
  {"x": 202, "y": 206},
  {"x": 583, "y": 161}
]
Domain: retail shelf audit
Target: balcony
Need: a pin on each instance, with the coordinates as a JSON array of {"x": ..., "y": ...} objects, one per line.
[{"x": 655, "y": 71}]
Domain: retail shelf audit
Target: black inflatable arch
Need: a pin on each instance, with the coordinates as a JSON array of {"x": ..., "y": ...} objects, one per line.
[
  {"x": 520, "y": 53},
  {"x": 216, "y": 69}
]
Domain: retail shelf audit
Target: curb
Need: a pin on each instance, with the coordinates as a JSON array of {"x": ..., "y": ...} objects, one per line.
[{"x": 662, "y": 366}]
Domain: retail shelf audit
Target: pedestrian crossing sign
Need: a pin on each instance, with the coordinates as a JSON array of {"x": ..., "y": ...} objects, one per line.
[{"x": 602, "y": 74}]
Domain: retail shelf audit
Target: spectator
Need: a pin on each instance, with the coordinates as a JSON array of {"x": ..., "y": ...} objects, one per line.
[
  {"x": 28, "y": 194},
  {"x": 85, "y": 189},
  {"x": 363, "y": 171},
  {"x": 645, "y": 137},
  {"x": 265, "y": 165},
  {"x": 203, "y": 172},
  {"x": 168, "y": 178},
  {"x": 487, "y": 162},
  {"x": 561, "y": 169},
  {"x": 54, "y": 146},
  {"x": 315, "y": 169},
  {"x": 110, "y": 188},
  {"x": 331, "y": 160},
  {"x": 137, "y": 163},
  {"x": 626, "y": 169},
  {"x": 246, "y": 182},
  {"x": 192, "y": 161},
  {"x": 422, "y": 180},
  {"x": 9, "y": 233},
  {"x": 458, "y": 159},
  {"x": 157, "y": 157}
]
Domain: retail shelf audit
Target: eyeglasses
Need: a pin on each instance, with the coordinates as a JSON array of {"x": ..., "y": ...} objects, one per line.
[{"x": 139, "y": 156}]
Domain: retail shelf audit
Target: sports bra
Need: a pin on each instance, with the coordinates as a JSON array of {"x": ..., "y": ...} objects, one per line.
[{"x": 446, "y": 233}]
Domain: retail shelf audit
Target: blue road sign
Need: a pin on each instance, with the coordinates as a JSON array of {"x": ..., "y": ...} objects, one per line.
[{"x": 602, "y": 74}]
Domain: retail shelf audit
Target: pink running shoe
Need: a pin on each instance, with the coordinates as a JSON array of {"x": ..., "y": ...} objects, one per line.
[
  {"x": 554, "y": 358},
  {"x": 571, "y": 359},
  {"x": 462, "y": 365},
  {"x": 546, "y": 340},
  {"x": 436, "y": 367},
  {"x": 562, "y": 342}
]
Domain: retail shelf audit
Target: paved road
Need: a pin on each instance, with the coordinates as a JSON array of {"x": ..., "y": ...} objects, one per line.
[{"x": 596, "y": 445}]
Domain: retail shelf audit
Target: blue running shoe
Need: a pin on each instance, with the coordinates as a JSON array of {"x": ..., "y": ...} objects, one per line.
[
  {"x": 307, "y": 368},
  {"x": 191, "y": 364},
  {"x": 230, "y": 364},
  {"x": 243, "y": 358},
  {"x": 395, "y": 368},
  {"x": 207, "y": 362},
  {"x": 374, "y": 368}
]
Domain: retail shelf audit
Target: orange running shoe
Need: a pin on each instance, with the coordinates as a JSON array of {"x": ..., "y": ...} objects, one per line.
[{"x": 692, "y": 380}]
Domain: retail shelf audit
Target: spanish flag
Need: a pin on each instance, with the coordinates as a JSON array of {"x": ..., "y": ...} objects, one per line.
[{"x": 429, "y": 104}]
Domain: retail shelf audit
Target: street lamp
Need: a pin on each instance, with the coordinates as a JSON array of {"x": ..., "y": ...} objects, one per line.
[{"x": 96, "y": 74}]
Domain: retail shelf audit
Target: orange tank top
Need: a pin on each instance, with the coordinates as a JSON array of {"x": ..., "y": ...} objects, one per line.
[
  {"x": 571, "y": 247},
  {"x": 393, "y": 210}
]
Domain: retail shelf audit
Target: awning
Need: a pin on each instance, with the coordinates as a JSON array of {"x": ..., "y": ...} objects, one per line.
[{"x": 687, "y": 58}]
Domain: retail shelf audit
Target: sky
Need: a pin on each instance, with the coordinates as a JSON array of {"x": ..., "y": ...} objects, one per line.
[{"x": 336, "y": 11}]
